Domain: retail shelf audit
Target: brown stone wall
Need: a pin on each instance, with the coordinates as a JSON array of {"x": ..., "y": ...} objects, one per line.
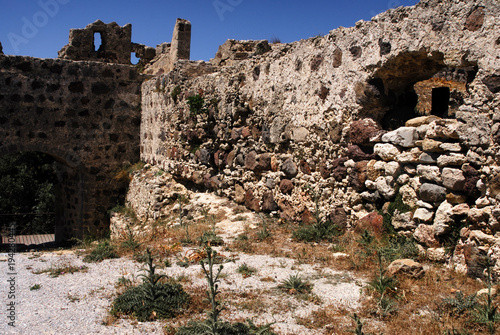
[
  {"x": 87, "y": 116},
  {"x": 116, "y": 43}
]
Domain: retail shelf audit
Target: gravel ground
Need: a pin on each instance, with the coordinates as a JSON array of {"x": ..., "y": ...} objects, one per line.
[{"x": 78, "y": 303}]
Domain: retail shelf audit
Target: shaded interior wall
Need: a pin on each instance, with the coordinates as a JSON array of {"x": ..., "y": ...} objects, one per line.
[{"x": 84, "y": 114}]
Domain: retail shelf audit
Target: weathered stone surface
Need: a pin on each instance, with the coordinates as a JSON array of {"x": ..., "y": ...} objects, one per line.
[
  {"x": 404, "y": 136},
  {"x": 475, "y": 19},
  {"x": 421, "y": 120},
  {"x": 493, "y": 83},
  {"x": 289, "y": 168},
  {"x": 373, "y": 222},
  {"x": 403, "y": 221},
  {"x": 443, "y": 130},
  {"x": 304, "y": 167},
  {"x": 453, "y": 159},
  {"x": 456, "y": 198},
  {"x": 425, "y": 235},
  {"x": 476, "y": 130},
  {"x": 355, "y": 153},
  {"x": 423, "y": 215},
  {"x": 251, "y": 202},
  {"x": 430, "y": 145},
  {"x": 461, "y": 209},
  {"x": 239, "y": 194},
  {"x": 406, "y": 267},
  {"x": 251, "y": 160},
  {"x": 453, "y": 179},
  {"x": 386, "y": 151},
  {"x": 437, "y": 254},
  {"x": 338, "y": 217},
  {"x": 385, "y": 187},
  {"x": 432, "y": 193},
  {"x": 392, "y": 169},
  {"x": 286, "y": 186},
  {"x": 453, "y": 147},
  {"x": 443, "y": 219},
  {"x": 268, "y": 203},
  {"x": 479, "y": 215},
  {"x": 430, "y": 173},
  {"x": 409, "y": 195},
  {"x": 363, "y": 130}
]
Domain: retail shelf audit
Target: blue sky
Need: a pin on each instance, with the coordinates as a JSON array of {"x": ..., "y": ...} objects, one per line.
[{"x": 40, "y": 28}]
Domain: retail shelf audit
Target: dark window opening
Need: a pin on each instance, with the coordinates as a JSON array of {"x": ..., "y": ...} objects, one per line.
[
  {"x": 440, "y": 101},
  {"x": 402, "y": 109},
  {"x": 98, "y": 41}
]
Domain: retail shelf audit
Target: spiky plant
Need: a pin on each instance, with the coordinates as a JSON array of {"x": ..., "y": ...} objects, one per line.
[
  {"x": 153, "y": 299},
  {"x": 296, "y": 284}
]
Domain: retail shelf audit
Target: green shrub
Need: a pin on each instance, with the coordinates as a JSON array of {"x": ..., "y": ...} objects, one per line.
[
  {"x": 397, "y": 247},
  {"x": 152, "y": 299},
  {"x": 104, "y": 250},
  {"x": 296, "y": 284},
  {"x": 196, "y": 105},
  {"x": 245, "y": 270}
]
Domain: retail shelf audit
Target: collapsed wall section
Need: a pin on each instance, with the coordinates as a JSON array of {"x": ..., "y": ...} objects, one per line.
[{"x": 405, "y": 105}]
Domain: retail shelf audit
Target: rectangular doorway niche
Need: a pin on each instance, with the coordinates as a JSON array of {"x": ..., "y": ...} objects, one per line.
[{"x": 440, "y": 101}]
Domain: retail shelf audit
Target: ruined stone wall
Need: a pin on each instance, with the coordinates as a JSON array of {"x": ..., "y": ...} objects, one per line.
[
  {"x": 116, "y": 43},
  {"x": 168, "y": 54},
  {"x": 84, "y": 114},
  {"x": 328, "y": 111}
]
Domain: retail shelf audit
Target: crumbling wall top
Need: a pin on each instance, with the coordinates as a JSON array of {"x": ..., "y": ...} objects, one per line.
[{"x": 115, "y": 47}]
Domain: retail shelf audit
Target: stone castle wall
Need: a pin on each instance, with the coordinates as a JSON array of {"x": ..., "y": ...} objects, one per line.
[
  {"x": 406, "y": 104},
  {"x": 84, "y": 114}
]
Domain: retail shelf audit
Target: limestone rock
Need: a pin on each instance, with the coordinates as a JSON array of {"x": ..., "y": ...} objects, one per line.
[
  {"x": 423, "y": 215},
  {"x": 479, "y": 215},
  {"x": 451, "y": 159},
  {"x": 443, "y": 129},
  {"x": 385, "y": 187},
  {"x": 453, "y": 179},
  {"x": 403, "y": 221},
  {"x": 425, "y": 235},
  {"x": 437, "y": 254},
  {"x": 430, "y": 145},
  {"x": 476, "y": 130},
  {"x": 443, "y": 219},
  {"x": 430, "y": 173},
  {"x": 421, "y": 120},
  {"x": 432, "y": 193},
  {"x": 409, "y": 195},
  {"x": 406, "y": 267},
  {"x": 453, "y": 147},
  {"x": 404, "y": 136},
  {"x": 386, "y": 151}
]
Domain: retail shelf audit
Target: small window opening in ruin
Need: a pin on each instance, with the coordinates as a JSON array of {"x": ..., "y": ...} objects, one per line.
[
  {"x": 97, "y": 41},
  {"x": 440, "y": 101},
  {"x": 134, "y": 59}
]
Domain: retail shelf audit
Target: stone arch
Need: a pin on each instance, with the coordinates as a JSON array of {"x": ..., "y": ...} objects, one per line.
[
  {"x": 69, "y": 190},
  {"x": 406, "y": 84}
]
